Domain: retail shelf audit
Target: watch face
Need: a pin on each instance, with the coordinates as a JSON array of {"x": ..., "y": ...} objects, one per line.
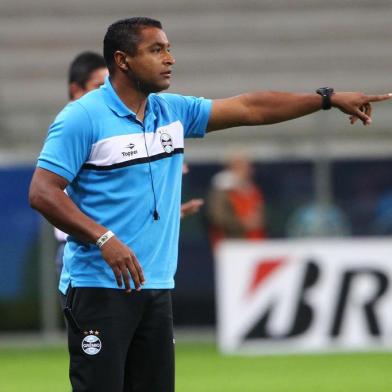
[{"x": 324, "y": 91}]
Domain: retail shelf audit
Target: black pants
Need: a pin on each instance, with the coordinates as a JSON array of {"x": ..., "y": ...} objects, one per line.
[{"x": 121, "y": 342}]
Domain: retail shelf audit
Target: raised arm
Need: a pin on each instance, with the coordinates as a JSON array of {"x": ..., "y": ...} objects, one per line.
[
  {"x": 270, "y": 107},
  {"x": 47, "y": 196}
]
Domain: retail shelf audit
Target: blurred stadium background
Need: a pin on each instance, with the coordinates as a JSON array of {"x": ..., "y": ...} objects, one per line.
[{"x": 222, "y": 47}]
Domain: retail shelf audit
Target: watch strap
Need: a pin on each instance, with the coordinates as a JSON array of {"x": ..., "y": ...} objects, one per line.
[{"x": 325, "y": 93}]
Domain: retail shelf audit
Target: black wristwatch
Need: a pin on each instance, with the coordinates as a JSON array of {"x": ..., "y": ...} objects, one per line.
[{"x": 325, "y": 93}]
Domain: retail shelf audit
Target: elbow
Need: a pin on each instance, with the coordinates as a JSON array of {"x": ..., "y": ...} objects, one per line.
[
  {"x": 36, "y": 199},
  {"x": 43, "y": 191}
]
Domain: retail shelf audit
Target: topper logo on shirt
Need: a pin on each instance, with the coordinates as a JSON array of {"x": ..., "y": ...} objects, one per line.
[
  {"x": 167, "y": 142},
  {"x": 131, "y": 146}
]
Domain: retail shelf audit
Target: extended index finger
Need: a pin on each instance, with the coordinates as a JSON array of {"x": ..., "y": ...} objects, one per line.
[{"x": 378, "y": 98}]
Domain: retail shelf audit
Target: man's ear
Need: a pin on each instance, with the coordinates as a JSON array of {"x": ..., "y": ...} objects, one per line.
[
  {"x": 75, "y": 91},
  {"x": 120, "y": 59}
]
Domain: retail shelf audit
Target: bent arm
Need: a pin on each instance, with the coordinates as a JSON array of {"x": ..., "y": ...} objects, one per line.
[
  {"x": 271, "y": 107},
  {"x": 47, "y": 196}
]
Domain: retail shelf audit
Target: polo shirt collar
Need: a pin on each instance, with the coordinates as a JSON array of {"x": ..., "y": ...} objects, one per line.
[{"x": 114, "y": 102}]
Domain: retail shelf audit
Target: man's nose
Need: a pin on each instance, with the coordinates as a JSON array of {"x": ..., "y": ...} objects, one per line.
[{"x": 169, "y": 59}]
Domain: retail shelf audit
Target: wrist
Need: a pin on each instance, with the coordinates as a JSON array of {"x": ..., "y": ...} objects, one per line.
[
  {"x": 104, "y": 238},
  {"x": 326, "y": 97}
]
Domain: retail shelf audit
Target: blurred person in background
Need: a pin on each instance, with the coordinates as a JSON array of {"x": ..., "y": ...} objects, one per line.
[
  {"x": 382, "y": 223},
  {"x": 87, "y": 72},
  {"x": 235, "y": 205},
  {"x": 119, "y": 150},
  {"x": 313, "y": 220}
]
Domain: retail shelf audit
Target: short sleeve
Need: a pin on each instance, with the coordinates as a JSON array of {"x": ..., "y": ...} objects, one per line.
[
  {"x": 68, "y": 143},
  {"x": 194, "y": 113}
]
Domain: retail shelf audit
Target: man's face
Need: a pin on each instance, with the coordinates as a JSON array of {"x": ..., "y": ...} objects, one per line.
[
  {"x": 151, "y": 66},
  {"x": 96, "y": 79}
]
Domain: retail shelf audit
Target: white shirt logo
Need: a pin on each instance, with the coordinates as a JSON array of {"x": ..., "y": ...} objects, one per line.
[{"x": 167, "y": 143}]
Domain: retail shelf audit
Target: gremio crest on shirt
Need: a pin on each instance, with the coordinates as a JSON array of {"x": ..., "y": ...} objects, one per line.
[{"x": 167, "y": 142}]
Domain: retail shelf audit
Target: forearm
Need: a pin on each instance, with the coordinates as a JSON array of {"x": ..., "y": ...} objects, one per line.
[
  {"x": 270, "y": 107},
  {"x": 60, "y": 210},
  {"x": 263, "y": 107}
]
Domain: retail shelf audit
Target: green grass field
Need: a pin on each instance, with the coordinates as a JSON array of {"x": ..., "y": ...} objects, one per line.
[{"x": 200, "y": 368}]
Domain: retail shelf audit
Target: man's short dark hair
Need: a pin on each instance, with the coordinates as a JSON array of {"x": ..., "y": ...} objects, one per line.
[
  {"x": 83, "y": 66},
  {"x": 124, "y": 35}
]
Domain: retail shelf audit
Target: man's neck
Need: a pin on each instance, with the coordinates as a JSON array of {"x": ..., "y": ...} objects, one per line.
[{"x": 131, "y": 96}]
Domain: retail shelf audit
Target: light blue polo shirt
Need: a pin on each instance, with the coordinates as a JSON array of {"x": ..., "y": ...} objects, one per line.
[{"x": 113, "y": 162}]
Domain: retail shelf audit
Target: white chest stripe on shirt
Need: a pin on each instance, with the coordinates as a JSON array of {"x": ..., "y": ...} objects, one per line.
[{"x": 123, "y": 149}]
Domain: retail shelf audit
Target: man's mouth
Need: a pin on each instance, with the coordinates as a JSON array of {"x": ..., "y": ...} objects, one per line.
[{"x": 166, "y": 74}]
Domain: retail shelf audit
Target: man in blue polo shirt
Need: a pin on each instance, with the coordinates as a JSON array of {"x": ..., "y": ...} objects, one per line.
[{"x": 118, "y": 151}]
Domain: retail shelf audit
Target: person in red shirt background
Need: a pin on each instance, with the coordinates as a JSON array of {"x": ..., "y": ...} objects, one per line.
[{"x": 235, "y": 205}]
